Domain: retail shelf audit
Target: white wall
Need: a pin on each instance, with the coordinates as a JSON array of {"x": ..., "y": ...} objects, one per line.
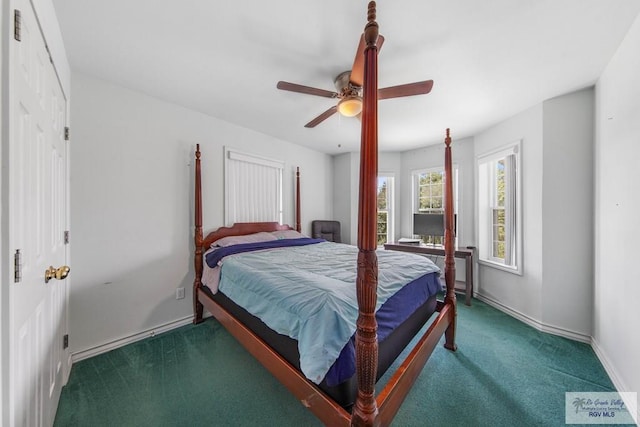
[
  {"x": 554, "y": 293},
  {"x": 617, "y": 203},
  {"x": 342, "y": 196},
  {"x": 132, "y": 204},
  {"x": 567, "y": 212},
  {"x": 346, "y": 170},
  {"x": 520, "y": 295}
]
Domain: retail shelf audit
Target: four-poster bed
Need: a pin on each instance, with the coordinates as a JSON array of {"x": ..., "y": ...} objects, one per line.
[{"x": 278, "y": 353}]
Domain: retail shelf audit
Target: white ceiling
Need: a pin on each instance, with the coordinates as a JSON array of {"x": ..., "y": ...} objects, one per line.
[{"x": 489, "y": 59}]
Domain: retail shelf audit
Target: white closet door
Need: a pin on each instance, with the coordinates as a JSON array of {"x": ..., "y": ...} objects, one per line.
[{"x": 38, "y": 188}]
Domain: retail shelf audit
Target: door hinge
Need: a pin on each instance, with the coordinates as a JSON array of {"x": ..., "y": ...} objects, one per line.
[
  {"x": 17, "y": 267},
  {"x": 17, "y": 25},
  {"x": 65, "y": 341},
  {"x": 66, "y": 133},
  {"x": 66, "y": 237}
]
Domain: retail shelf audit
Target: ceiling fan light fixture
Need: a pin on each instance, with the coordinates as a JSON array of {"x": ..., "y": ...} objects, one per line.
[{"x": 350, "y": 106}]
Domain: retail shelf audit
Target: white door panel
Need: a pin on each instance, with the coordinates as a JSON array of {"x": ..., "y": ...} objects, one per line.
[{"x": 38, "y": 191}]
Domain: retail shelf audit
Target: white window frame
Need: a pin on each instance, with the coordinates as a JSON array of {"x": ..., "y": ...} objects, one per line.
[
  {"x": 390, "y": 178},
  {"x": 415, "y": 195},
  {"x": 256, "y": 194},
  {"x": 487, "y": 203}
]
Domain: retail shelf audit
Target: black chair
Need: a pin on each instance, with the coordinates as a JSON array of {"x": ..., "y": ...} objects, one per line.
[{"x": 328, "y": 230}]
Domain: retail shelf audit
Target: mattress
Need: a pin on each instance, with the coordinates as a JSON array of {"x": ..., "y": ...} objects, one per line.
[
  {"x": 344, "y": 393},
  {"x": 249, "y": 287}
]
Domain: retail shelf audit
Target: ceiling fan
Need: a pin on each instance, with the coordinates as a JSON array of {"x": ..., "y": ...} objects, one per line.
[{"x": 349, "y": 89}]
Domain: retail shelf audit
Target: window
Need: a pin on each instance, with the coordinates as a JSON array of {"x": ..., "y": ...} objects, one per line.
[
  {"x": 253, "y": 188},
  {"x": 428, "y": 190},
  {"x": 499, "y": 215},
  {"x": 385, "y": 209}
]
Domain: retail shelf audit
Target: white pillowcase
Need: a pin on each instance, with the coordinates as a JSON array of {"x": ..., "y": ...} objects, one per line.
[
  {"x": 248, "y": 238},
  {"x": 287, "y": 234}
]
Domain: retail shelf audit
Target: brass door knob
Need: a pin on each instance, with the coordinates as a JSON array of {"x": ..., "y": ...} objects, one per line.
[{"x": 59, "y": 273}]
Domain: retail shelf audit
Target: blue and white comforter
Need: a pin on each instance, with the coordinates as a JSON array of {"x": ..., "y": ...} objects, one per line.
[{"x": 309, "y": 294}]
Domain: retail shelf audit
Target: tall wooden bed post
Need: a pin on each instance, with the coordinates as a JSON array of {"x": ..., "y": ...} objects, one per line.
[
  {"x": 198, "y": 239},
  {"x": 365, "y": 410},
  {"x": 298, "y": 227},
  {"x": 449, "y": 246},
  {"x": 368, "y": 409}
]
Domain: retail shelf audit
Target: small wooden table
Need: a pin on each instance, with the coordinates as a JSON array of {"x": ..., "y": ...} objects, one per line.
[{"x": 466, "y": 253}]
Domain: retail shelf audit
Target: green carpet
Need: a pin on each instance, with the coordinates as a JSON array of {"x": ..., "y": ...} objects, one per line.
[{"x": 504, "y": 373}]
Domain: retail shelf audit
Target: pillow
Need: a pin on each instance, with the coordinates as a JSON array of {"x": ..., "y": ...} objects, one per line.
[
  {"x": 248, "y": 238},
  {"x": 287, "y": 234}
]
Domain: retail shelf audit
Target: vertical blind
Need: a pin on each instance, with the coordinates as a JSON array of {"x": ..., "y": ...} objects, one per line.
[{"x": 253, "y": 188}]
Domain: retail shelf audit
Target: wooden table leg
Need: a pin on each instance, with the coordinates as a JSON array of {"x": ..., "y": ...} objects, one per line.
[{"x": 469, "y": 280}]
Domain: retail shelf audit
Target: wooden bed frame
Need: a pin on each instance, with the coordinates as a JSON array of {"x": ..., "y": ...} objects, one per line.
[{"x": 368, "y": 409}]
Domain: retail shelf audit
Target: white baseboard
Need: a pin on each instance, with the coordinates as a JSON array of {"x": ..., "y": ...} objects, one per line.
[
  {"x": 616, "y": 379},
  {"x": 67, "y": 370},
  {"x": 554, "y": 330},
  {"x": 103, "y": 348}
]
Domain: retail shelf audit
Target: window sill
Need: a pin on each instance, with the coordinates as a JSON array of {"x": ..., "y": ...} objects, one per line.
[{"x": 499, "y": 266}]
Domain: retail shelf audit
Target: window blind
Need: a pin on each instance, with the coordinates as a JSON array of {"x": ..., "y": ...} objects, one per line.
[{"x": 253, "y": 188}]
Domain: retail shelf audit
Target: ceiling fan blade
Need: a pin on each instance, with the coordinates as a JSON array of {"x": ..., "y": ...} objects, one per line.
[
  {"x": 322, "y": 117},
  {"x": 409, "y": 89},
  {"x": 357, "y": 70},
  {"x": 306, "y": 89}
]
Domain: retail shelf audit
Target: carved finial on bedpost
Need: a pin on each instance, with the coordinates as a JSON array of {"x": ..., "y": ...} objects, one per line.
[
  {"x": 449, "y": 245},
  {"x": 371, "y": 29},
  {"x": 371, "y": 13}
]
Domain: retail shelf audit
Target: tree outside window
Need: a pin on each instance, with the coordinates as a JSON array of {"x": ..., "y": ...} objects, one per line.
[
  {"x": 431, "y": 192},
  {"x": 498, "y": 211},
  {"x": 385, "y": 209}
]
